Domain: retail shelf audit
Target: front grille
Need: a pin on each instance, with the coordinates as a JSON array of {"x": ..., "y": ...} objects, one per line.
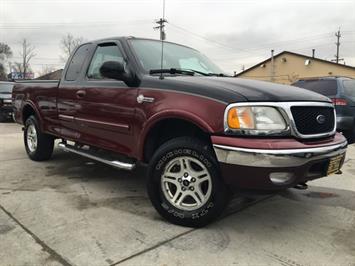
[{"x": 305, "y": 118}]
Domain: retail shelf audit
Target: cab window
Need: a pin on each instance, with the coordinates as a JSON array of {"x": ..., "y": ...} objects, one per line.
[
  {"x": 103, "y": 53},
  {"x": 76, "y": 62}
]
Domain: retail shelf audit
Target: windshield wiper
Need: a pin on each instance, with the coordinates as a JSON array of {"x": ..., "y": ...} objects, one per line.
[
  {"x": 181, "y": 71},
  {"x": 198, "y": 72},
  {"x": 172, "y": 71},
  {"x": 218, "y": 75}
]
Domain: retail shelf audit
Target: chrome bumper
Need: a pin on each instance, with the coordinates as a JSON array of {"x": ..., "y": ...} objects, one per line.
[{"x": 276, "y": 158}]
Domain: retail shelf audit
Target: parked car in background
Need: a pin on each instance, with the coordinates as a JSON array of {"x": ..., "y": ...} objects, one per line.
[
  {"x": 341, "y": 90},
  {"x": 6, "y": 109}
]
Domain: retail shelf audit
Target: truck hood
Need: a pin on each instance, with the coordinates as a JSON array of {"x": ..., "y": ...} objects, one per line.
[{"x": 234, "y": 89}]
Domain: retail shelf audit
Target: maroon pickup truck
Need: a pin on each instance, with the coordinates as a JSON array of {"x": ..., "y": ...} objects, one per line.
[{"x": 201, "y": 133}]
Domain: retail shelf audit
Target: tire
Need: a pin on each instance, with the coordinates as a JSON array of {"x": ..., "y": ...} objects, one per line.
[
  {"x": 39, "y": 146},
  {"x": 169, "y": 185}
]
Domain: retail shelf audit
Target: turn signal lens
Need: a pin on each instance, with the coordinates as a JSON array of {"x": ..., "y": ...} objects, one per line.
[
  {"x": 233, "y": 120},
  {"x": 241, "y": 117}
]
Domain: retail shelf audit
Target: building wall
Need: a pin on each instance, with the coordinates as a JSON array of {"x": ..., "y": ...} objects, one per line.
[{"x": 288, "y": 68}]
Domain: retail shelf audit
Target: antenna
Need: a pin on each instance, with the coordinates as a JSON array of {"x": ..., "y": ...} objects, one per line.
[{"x": 161, "y": 22}]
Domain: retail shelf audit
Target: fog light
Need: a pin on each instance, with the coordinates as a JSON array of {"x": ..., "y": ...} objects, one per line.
[{"x": 280, "y": 178}]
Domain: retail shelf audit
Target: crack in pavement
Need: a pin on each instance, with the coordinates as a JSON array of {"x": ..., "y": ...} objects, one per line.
[
  {"x": 18, "y": 189},
  {"x": 249, "y": 204},
  {"x": 14, "y": 159},
  {"x": 34, "y": 190},
  {"x": 53, "y": 254}
]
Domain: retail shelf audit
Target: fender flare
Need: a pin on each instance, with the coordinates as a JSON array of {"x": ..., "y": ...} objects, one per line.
[
  {"x": 170, "y": 114},
  {"x": 35, "y": 109}
]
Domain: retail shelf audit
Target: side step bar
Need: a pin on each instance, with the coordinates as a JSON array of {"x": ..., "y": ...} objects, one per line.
[{"x": 91, "y": 155}]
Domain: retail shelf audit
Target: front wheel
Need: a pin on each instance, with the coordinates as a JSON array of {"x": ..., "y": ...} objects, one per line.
[
  {"x": 39, "y": 146},
  {"x": 184, "y": 183}
]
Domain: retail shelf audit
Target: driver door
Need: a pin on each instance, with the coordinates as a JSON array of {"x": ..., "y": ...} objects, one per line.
[{"x": 107, "y": 107}]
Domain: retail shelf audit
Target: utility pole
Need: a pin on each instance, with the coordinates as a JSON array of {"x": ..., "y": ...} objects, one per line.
[
  {"x": 337, "y": 59},
  {"x": 272, "y": 69},
  {"x": 161, "y": 22},
  {"x": 338, "y": 35}
]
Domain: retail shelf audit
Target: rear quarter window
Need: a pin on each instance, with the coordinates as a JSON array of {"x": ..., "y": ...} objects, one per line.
[
  {"x": 325, "y": 87},
  {"x": 76, "y": 62}
]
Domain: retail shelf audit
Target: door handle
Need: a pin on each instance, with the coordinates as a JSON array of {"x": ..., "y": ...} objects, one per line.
[
  {"x": 80, "y": 93},
  {"x": 141, "y": 98}
]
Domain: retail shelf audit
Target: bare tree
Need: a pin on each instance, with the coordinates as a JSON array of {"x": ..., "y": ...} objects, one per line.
[
  {"x": 2, "y": 72},
  {"x": 5, "y": 53},
  {"x": 68, "y": 43},
  {"x": 27, "y": 54}
]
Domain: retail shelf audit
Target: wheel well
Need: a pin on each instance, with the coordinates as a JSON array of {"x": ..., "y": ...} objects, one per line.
[
  {"x": 168, "y": 129},
  {"x": 27, "y": 112}
]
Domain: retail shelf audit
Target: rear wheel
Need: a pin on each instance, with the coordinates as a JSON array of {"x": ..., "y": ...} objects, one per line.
[
  {"x": 184, "y": 183},
  {"x": 39, "y": 146}
]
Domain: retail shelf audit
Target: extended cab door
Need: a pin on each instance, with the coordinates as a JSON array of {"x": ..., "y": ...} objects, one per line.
[
  {"x": 106, "y": 109},
  {"x": 70, "y": 91}
]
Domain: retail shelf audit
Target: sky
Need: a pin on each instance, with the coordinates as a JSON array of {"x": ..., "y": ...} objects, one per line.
[{"x": 235, "y": 34}]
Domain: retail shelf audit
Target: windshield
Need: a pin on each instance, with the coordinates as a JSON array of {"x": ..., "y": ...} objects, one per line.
[
  {"x": 175, "y": 56},
  {"x": 349, "y": 89}
]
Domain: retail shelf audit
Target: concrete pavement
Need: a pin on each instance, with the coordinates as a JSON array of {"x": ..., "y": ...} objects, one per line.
[{"x": 72, "y": 211}]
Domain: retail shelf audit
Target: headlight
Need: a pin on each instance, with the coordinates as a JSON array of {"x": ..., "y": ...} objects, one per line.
[{"x": 255, "y": 119}]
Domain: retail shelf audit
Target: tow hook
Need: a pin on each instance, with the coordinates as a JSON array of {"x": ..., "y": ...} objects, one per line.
[{"x": 301, "y": 186}]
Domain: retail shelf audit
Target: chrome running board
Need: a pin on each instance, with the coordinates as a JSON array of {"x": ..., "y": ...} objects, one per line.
[{"x": 91, "y": 155}]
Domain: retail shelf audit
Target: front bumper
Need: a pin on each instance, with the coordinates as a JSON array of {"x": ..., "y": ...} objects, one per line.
[{"x": 275, "y": 164}]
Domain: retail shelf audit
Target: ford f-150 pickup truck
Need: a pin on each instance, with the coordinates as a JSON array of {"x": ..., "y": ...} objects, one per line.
[{"x": 201, "y": 133}]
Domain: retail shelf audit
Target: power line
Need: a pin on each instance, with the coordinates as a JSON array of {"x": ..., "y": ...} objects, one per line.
[
  {"x": 257, "y": 48},
  {"x": 204, "y": 38}
]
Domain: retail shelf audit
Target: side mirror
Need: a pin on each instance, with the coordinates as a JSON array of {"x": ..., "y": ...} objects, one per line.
[{"x": 113, "y": 70}]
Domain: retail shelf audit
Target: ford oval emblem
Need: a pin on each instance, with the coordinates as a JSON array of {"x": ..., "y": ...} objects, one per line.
[{"x": 320, "y": 119}]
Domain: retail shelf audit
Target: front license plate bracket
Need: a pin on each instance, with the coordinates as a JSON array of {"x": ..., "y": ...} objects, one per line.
[{"x": 335, "y": 164}]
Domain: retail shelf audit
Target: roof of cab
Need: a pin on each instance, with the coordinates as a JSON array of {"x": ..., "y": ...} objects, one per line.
[{"x": 134, "y": 38}]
